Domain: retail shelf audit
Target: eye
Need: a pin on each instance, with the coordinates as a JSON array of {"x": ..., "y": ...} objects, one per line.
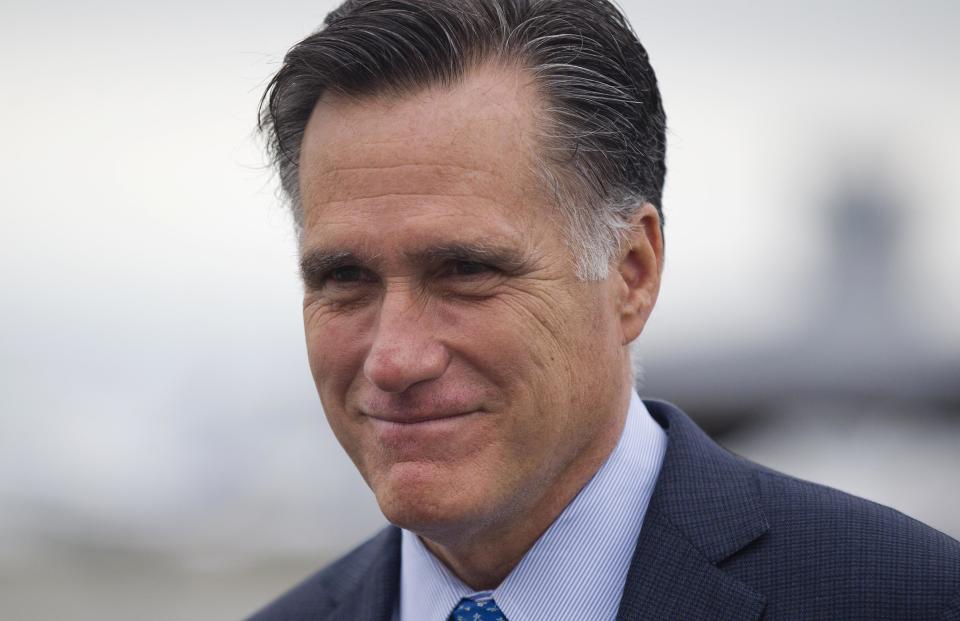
[
  {"x": 349, "y": 274},
  {"x": 468, "y": 268}
]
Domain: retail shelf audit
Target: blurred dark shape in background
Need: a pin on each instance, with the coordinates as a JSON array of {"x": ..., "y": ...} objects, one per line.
[{"x": 862, "y": 344}]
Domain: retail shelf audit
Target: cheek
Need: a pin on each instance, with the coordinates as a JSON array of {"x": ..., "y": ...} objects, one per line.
[
  {"x": 335, "y": 350},
  {"x": 500, "y": 340},
  {"x": 558, "y": 358},
  {"x": 546, "y": 337},
  {"x": 519, "y": 347}
]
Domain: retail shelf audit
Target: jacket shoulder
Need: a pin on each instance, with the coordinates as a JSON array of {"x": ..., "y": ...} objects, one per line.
[
  {"x": 853, "y": 556},
  {"x": 810, "y": 551},
  {"x": 812, "y": 511},
  {"x": 319, "y": 594}
]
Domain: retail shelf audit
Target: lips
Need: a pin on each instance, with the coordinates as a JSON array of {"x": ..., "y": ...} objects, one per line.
[
  {"x": 419, "y": 436},
  {"x": 414, "y": 409},
  {"x": 415, "y": 418}
]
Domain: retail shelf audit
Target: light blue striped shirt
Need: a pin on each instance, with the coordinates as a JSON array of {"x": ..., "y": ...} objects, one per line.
[{"x": 577, "y": 568}]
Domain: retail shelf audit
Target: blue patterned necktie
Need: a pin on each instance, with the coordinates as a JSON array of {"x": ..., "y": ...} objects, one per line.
[{"x": 472, "y": 610}]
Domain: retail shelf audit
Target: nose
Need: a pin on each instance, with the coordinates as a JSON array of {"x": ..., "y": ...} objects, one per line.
[{"x": 405, "y": 350}]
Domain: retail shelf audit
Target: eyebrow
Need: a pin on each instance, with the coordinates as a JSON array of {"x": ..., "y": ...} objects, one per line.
[
  {"x": 316, "y": 263},
  {"x": 501, "y": 257}
]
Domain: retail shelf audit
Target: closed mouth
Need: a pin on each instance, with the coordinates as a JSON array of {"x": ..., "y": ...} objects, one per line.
[{"x": 416, "y": 419}]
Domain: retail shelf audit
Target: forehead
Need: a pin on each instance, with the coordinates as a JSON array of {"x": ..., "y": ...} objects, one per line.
[{"x": 466, "y": 150}]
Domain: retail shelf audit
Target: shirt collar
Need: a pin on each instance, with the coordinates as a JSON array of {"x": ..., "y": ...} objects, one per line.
[{"x": 577, "y": 568}]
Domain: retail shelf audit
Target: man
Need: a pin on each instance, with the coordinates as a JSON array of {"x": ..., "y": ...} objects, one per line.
[{"x": 477, "y": 186}]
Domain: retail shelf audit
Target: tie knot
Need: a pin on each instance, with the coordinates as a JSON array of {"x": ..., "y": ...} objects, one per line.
[{"x": 477, "y": 610}]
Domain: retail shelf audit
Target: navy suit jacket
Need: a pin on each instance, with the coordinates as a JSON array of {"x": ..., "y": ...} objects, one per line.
[{"x": 723, "y": 539}]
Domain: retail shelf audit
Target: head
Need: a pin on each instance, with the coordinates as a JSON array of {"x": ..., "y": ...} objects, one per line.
[
  {"x": 602, "y": 145},
  {"x": 476, "y": 185}
]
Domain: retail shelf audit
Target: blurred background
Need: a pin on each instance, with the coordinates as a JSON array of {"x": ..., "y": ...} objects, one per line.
[{"x": 162, "y": 451}]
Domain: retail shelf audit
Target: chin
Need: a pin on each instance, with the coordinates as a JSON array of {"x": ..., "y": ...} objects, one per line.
[{"x": 424, "y": 499}]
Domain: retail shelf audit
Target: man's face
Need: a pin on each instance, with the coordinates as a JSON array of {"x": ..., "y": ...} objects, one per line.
[{"x": 466, "y": 371}]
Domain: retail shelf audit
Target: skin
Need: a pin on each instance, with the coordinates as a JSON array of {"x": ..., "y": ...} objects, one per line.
[{"x": 475, "y": 382}]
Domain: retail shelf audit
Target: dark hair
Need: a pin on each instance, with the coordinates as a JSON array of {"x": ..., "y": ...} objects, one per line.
[{"x": 604, "y": 144}]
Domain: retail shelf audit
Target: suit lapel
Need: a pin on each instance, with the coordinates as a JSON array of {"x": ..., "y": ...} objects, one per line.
[
  {"x": 704, "y": 509},
  {"x": 670, "y": 579},
  {"x": 376, "y": 592}
]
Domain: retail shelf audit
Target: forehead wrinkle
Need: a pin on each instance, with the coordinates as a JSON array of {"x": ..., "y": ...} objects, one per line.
[
  {"x": 411, "y": 179},
  {"x": 356, "y": 182},
  {"x": 429, "y": 171},
  {"x": 381, "y": 167},
  {"x": 386, "y": 195},
  {"x": 325, "y": 214}
]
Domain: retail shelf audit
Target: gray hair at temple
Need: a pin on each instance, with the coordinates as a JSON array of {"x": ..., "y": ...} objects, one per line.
[{"x": 603, "y": 143}]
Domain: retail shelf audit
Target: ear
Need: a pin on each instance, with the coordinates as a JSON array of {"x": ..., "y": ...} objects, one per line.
[{"x": 639, "y": 268}]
